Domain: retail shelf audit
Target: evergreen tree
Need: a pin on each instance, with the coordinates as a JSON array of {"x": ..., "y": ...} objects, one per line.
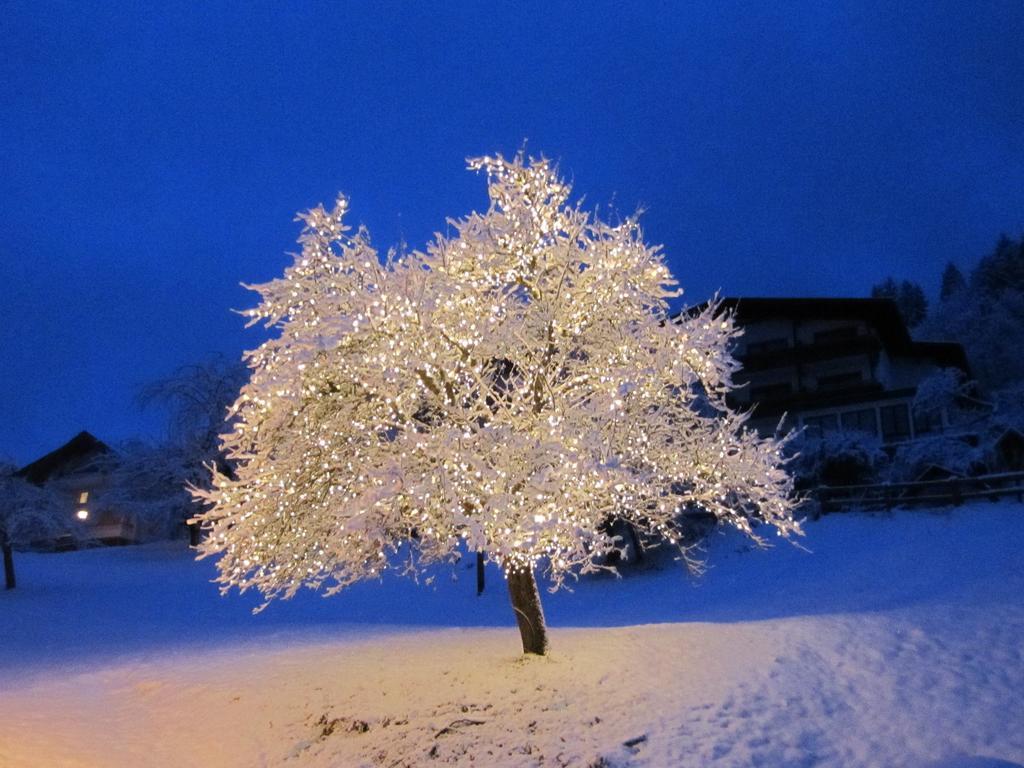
[
  {"x": 887, "y": 289},
  {"x": 909, "y": 298},
  {"x": 986, "y": 315},
  {"x": 912, "y": 303},
  {"x": 953, "y": 282},
  {"x": 1001, "y": 270}
]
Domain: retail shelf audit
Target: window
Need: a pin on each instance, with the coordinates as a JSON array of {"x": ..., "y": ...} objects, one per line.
[
  {"x": 840, "y": 380},
  {"x": 836, "y": 335},
  {"x": 769, "y": 345},
  {"x": 927, "y": 422},
  {"x": 895, "y": 422},
  {"x": 817, "y": 426},
  {"x": 860, "y": 421},
  {"x": 770, "y": 391},
  {"x": 83, "y": 497}
]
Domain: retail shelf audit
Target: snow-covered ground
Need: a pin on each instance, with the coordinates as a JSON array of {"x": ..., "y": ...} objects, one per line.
[{"x": 898, "y": 642}]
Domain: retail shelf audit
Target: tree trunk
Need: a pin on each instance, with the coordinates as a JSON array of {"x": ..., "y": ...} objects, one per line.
[
  {"x": 638, "y": 547},
  {"x": 5, "y": 544},
  {"x": 526, "y": 603},
  {"x": 479, "y": 573}
]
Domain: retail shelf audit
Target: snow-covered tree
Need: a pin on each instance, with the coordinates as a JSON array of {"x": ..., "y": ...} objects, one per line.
[
  {"x": 197, "y": 397},
  {"x": 27, "y": 513},
  {"x": 983, "y": 313},
  {"x": 508, "y": 390},
  {"x": 149, "y": 484},
  {"x": 152, "y": 480},
  {"x": 986, "y": 326}
]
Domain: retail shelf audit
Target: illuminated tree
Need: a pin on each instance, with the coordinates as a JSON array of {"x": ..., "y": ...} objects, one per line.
[{"x": 509, "y": 390}]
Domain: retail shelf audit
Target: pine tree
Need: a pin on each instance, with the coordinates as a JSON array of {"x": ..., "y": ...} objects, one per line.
[
  {"x": 1002, "y": 270},
  {"x": 909, "y": 298},
  {"x": 912, "y": 303},
  {"x": 887, "y": 289},
  {"x": 508, "y": 390},
  {"x": 953, "y": 282},
  {"x": 986, "y": 315}
]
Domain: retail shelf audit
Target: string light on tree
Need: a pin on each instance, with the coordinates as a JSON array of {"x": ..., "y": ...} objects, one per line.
[{"x": 509, "y": 389}]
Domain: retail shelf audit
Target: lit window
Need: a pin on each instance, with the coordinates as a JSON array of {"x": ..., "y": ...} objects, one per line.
[
  {"x": 83, "y": 497},
  {"x": 82, "y": 514}
]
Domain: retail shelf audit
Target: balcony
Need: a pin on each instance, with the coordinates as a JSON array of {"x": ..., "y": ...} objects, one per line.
[{"x": 803, "y": 354}]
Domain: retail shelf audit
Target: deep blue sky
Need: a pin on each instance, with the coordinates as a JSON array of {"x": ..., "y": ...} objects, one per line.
[{"x": 153, "y": 157}]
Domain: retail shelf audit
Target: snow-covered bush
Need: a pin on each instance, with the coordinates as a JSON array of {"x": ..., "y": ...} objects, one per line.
[
  {"x": 1008, "y": 407},
  {"x": 508, "y": 390},
  {"x": 28, "y": 513},
  {"x": 948, "y": 452},
  {"x": 939, "y": 391},
  {"x": 839, "y": 457}
]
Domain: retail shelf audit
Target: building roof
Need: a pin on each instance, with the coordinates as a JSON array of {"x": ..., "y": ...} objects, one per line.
[
  {"x": 80, "y": 447},
  {"x": 882, "y": 314}
]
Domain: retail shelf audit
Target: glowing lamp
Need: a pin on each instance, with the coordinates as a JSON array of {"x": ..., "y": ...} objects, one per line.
[{"x": 82, "y": 514}]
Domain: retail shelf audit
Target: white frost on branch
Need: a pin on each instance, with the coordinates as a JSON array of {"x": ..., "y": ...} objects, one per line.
[
  {"x": 509, "y": 390},
  {"x": 28, "y": 513}
]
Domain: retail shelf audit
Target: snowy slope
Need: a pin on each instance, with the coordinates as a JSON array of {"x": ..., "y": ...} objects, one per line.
[{"x": 898, "y": 642}]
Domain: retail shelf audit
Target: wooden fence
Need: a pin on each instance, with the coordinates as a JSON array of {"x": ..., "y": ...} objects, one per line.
[{"x": 933, "y": 493}]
